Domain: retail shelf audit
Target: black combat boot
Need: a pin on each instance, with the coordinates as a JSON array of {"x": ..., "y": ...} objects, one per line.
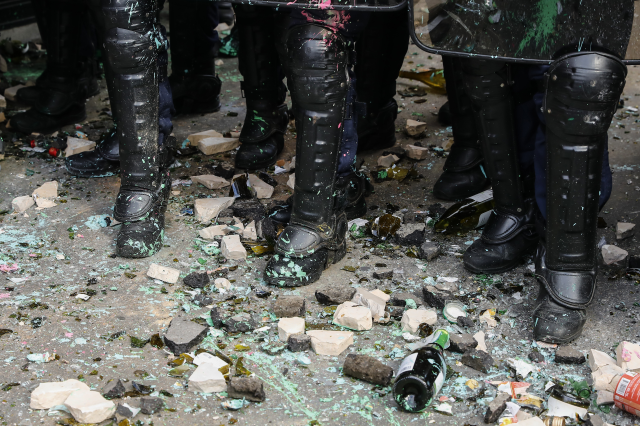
[
  {"x": 315, "y": 237},
  {"x": 379, "y": 57},
  {"x": 262, "y": 135},
  {"x": 132, "y": 50},
  {"x": 60, "y": 98},
  {"x": 582, "y": 91},
  {"x": 463, "y": 174},
  {"x": 194, "y": 83},
  {"x": 510, "y": 233}
]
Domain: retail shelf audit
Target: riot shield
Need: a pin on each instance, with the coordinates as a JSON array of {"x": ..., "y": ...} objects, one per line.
[
  {"x": 529, "y": 31},
  {"x": 364, "y": 5}
]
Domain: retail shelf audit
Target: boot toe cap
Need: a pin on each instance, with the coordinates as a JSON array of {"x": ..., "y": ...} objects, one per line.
[{"x": 554, "y": 323}]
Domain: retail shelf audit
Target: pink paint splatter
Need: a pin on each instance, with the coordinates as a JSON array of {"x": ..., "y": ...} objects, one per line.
[
  {"x": 9, "y": 268},
  {"x": 68, "y": 334},
  {"x": 4, "y": 295}
]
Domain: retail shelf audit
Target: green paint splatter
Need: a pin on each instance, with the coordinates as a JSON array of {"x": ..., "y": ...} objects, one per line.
[{"x": 542, "y": 27}]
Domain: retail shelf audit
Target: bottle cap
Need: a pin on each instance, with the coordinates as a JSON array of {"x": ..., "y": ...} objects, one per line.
[{"x": 453, "y": 310}]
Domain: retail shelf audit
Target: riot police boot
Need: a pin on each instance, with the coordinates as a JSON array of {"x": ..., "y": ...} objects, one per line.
[
  {"x": 194, "y": 83},
  {"x": 377, "y": 129},
  {"x": 582, "y": 91},
  {"x": 262, "y": 135},
  {"x": 316, "y": 235},
  {"x": 225, "y": 13},
  {"x": 444, "y": 114},
  {"x": 463, "y": 174},
  {"x": 68, "y": 81},
  {"x": 357, "y": 188},
  {"x": 103, "y": 161}
]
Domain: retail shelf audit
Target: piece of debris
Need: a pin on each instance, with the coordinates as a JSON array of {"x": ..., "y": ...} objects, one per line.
[
  {"x": 478, "y": 360},
  {"x": 434, "y": 297},
  {"x": 416, "y": 152},
  {"x": 415, "y": 128},
  {"x": 77, "y": 145},
  {"x": 353, "y": 316},
  {"x": 250, "y": 232},
  {"x": 163, "y": 273},
  {"x": 568, "y": 355},
  {"x": 113, "y": 389},
  {"x": 210, "y": 146},
  {"x": 624, "y": 230},
  {"x": 22, "y": 204},
  {"x": 126, "y": 411},
  {"x": 428, "y": 250},
  {"x": 47, "y": 190},
  {"x": 628, "y": 356},
  {"x": 410, "y": 234},
  {"x": 599, "y": 359},
  {"x": 232, "y": 248},
  {"x": 446, "y": 145},
  {"x": 367, "y": 368},
  {"x": 289, "y": 306},
  {"x": 240, "y": 323},
  {"x": 89, "y": 407},
  {"x": 10, "y": 92},
  {"x": 183, "y": 335},
  {"x": 50, "y": 394},
  {"x": 488, "y": 318},
  {"x": 290, "y": 326},
  {"x": 462, "y": 343},
  {"x": 196, "y": 280},
  {"x": 405, "y": 299},
  {"x": 206, "y": 209},
  {"x": 263, "y": 189},
  {"x": 299, "y": 342},
  {"x": 222, "y": 283},
  {"x": 210, "y": 181},
  {"x": 197, "y": 137},
  {"x": 613, "y": 255},
  {"x": 327, "y": 342},
  {"x": 607, "y": 377},
  {"x": 213, "y": 231},
  {"x": 383, "y": 274},
  {"x": 206, "y": 357},
  {"x": 412, "y": 319},
  {"x": 387, "y": 161},
  {"x": 151, "y": 405},
  {"x": 291, "y": 182},
  {"x": 250, "y": 388},
  {"x": 381, "y": 294},
  {"x": 604, "y": 397},
  {"x": 375, "y": 304},
  {"x": 465, "y": 322},
  {"x": 207, "y": 378},
  {"x": 536, "y": 356},
  {"x": 496, "y": 407}
]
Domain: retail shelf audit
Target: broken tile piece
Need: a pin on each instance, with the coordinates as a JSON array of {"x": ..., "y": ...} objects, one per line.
[
  {"x": 89, "y": 407},
  {"x": 412, "y": 318},
  {"x": 375, "y": 304},
  {"x": 599, "y": 359},
  {"x": 210, "y": 146},
  {"x": 613, "y": 255},
  {"x": 232, "y": 248},
  {"x": 207, "y": 358},
  {"x": 290, "y": 326},
  {"x": 291, "y": 182},
  {"x": 211, "y": 232},
  {"x": 250, "y": 388},
  {"x": 163, "y": 273},
  {"x": 604, "y": 397},
  {"x": 387, "y": 161},
  {"x": 416, "y": 152},
  {"x": 628, "y": 356},
  {"x": 206, "y": 209},
  {"x": 22, "y": 204},
  {"x": 183, "y": 335},
  {"x": 250, "y": 232},
  {"x": 263, "y": 189},
  {"x": 207, "y": 378},
  {"x": 77, "y": 145},
  {"x": 367, "y": 368},
  {"x": 381, "y": 294},
  {"x": 50, "y": 394},
  {"x": 210, "y": 181},
  {"x": 328, "y": 342},
  {"x": 415, "y": 128},
  {"x": 197, "y": 137},
  {"x": 353, "y": 316},
  {"x": 47, "y": 190},
  {"x": 222, "y": 283},
  {"x": 568, "y": 355},
  {"x": 624, "y": 230}
]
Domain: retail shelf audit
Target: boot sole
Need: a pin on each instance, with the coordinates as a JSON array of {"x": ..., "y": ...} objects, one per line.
[
  {"x": 505, "y": 268},
  {"x": 48, "y": 130},
  {"x": 92, "y": 174},
  {"x": 257, "y": 166}
]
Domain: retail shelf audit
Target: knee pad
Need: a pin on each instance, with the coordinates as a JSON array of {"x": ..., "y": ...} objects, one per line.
[
  {"x": 486, "y": 80},
  {"x": 317, "y": 60}
]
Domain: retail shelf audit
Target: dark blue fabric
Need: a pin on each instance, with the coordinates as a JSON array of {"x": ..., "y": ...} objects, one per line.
[
  {"x": 166, "y": 109},
  {"x": 349, "y": 143}
]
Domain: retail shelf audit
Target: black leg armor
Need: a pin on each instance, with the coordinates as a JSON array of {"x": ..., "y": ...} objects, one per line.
[
  {"x": 265, "y": 124},
  {"x": 582, "y": 91},
  {"x": 131, "y": 44},
  {"x": 463, "y": 175},
  {"x": 317, "y": 76},
  {"x": 510, "y": 233}
]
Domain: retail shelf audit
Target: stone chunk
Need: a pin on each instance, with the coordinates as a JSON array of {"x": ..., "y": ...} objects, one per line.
[
  {"x": 465, "y": 322},
  {"x": 387, "y": 161},
  {"x": 240, "y": 323},
  {"x": 624, "y": 230},
  {"x": 206, "y": 209},
  {"x": 50, "y": 394},
  {"x": 416, "y": 152},
  {"x": 222, "y": 283},
  {"x": 291, "y": 182},
  {"x": 210, "y": 181},
  {"x": 462, "y": 343},
  {"x": 367, "y": 368},
  {"x": 434, "y": 297},
  {"x": 613, "y": 255},
  {"x": 400, "y": 299},
  {"x": 46, "y": 190},
  {"x": 328, "y": 342},
  {"x": 383, "y": 274},
  {"x": 353, "y": 316},
  {"x": 197, "y": 137},
  {"x": 214, "y": 231},
  {"x": 536, "y": 356},
  {"x": 10, "y": 92},
  {"x": 151, "y": 405},
  {"x": 216, "y": 318},
  {"x": 334, "y": 294},
  {"x": 375, "y": 304},
  {"x": 299, "y": 342},
  {"x": 22, "y": 204},
  {"x": 568, "y": 355},
  {"x": 415, "y": 128},
  {"x": 412, "y": 319},
  {"x": 183, "y": 335},
  {"x": 3, "y": 103},
  {"x": 263, "y": 189},
  {"x": 127, "y": 411},
  {"x": 202, "y": 300},
  {"x": 89, "y": 407},
  {"x": 249, "y": 388},
  {"x": 207, "y": 378},
  {"x": 599, "y": 359},
  {"x": 410, "y": 234},
  {"x": 163, "y": 273},
  {"x": 113, "y": 389},
  {"x": 197, "y": 280},
  {"x": 496, "y": 407},
  {"x": 381, "y": 294},
  {"x": 289, "y": 306},
  {"x": 210, "y": 146},
  {"x": 77, "y": 145},
  {"x": 250, "y": 232},
  {"x": 628, "y": 356},
  {"x": 428, "y": 250},
  {"x": 232, "y": 248},
  {"x": 446, "y": 145},
  {"x": 290, "y": 326},
  {"x": 478, "y": 360}
]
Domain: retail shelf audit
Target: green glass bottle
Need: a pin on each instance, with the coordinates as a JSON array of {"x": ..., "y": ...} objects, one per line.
[
  {"x": 422, "y": 374},
  {"x": 466, "y": 215}
]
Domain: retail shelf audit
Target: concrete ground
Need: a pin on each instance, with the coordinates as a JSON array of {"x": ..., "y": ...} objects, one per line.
[{"x": 63, "y": 250}]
